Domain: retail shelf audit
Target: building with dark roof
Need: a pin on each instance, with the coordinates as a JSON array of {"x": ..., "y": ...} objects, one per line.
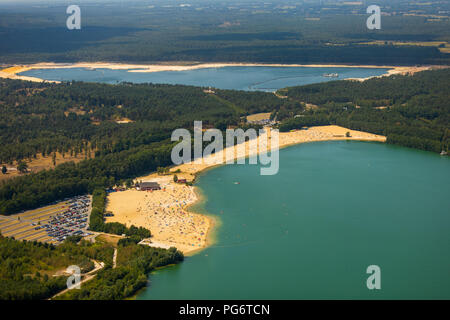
[{"x": 145, "y": 186}]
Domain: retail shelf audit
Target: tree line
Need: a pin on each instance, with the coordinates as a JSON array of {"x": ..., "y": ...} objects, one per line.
[
  {"x": 27, "y": 268},
  {"x": 412, "y": 111},
  {"x": 97, "y": 221}
]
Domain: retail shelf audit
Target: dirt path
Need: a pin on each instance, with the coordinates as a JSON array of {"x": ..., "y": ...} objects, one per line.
[
  {"x": 279, "y": 95},
  {"x": 87, "y": 276},
  {"x": 115, "y": 258}
]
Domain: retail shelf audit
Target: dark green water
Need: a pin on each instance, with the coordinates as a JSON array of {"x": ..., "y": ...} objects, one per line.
[{"x": 311, "y": 231}]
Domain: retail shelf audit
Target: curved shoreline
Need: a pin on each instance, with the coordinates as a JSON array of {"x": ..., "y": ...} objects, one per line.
[
  {"x": 129, "y": 207},
  {"x": 14, "y": 72},
  {"x": 214, "y": 221},
  {"x": 359, "y": 136},
  {"x": 168, "y": 210}
]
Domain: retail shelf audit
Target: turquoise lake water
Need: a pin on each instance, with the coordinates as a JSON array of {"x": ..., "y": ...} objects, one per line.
[
  {"x": 311, "y": 231},
  {"x": 239, "y": 78}
]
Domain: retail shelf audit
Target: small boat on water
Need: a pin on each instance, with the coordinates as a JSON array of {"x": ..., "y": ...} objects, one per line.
[
  {"x": 331, "y": 75},
  {"x": 237, "y": 182},
  {"x": 444, "y": 153}
]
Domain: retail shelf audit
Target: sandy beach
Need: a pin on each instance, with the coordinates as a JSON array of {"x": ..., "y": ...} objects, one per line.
[
  {"x": 14, "y": 72},
  {"x": 165, "y": 212}
]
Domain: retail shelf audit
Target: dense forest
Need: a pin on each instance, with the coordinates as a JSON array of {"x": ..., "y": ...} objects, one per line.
[
  {"x": 122, "y": 131},
  {"x": 134, "y": 263},
  {"x": 285, "y": 31},
  {"x": 27, "y": 269},
  {"x": 80, "y": 118},
  {"x": 73, "y": 117},
  {"x": 412, "y": 111}
]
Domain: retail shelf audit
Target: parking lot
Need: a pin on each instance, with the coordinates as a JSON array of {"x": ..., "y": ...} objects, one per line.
[{"x": 50, "y": 224}]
